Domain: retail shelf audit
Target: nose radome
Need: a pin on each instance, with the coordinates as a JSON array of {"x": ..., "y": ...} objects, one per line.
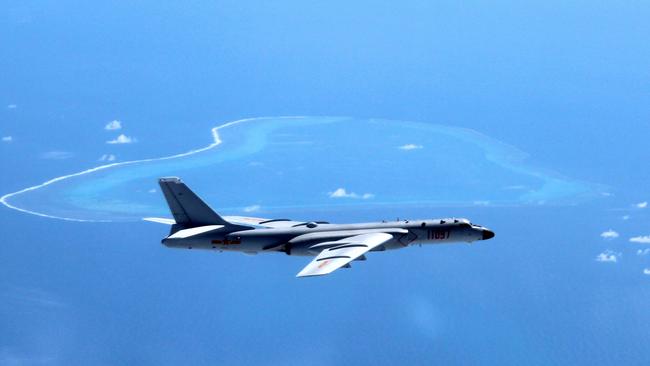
[{"x": 488, "y": 234}]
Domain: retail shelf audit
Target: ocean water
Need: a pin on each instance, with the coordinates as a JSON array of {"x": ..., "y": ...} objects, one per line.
[
  {"x": 85, "y": 259},
  {"x": 277, "y": 163},
  {"x": 530, "y": 118}
]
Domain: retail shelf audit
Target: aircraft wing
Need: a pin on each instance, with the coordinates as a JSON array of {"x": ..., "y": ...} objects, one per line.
[{"x": 341, "y": 252}]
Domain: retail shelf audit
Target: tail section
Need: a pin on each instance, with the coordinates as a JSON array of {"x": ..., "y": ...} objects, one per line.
[{"x": 186, "y": 207}]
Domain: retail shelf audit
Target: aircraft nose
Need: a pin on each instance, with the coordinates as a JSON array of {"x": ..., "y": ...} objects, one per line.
[{"x": 487, "y": 234}]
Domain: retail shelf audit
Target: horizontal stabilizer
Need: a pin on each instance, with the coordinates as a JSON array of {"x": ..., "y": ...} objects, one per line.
[{"x": 160, "y": 220}]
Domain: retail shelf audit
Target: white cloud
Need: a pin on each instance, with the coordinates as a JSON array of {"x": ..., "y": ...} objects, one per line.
[
  {"x": 608, "y": 256},
  {"x": 252, "y": 208},
  {"x": 642, "y": 252},
  {"x": 152, "y": 190},
  {"x": 107, "y": 157},
  {"x": 646, "y": 271},
  {"x": 342, "y": 193},
  {"x": 113, "y": 125},
  {"x": 7, "y": 139},
  {"x": 643, "y": 204},
  {"x": 609, "y": 234},
  {"x": 626, "y": 217},
  {"x": 481, "y": 203},
  {"x": 122, "y": 139},
  {"x": 12, "y": 106},
  {"x": 645, "y": 239},
  {"x": 57, "y": 155},
  {"x": 410, "y": 147}
]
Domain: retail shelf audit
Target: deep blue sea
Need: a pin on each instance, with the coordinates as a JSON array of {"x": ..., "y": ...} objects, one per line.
[{"x": 528, "y": 118}]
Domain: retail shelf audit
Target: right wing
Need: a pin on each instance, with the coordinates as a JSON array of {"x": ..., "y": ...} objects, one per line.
[{"x": 340, "y": 253}]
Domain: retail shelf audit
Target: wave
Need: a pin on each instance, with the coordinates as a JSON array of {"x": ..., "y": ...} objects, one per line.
[{"x": 216, "y": 142}]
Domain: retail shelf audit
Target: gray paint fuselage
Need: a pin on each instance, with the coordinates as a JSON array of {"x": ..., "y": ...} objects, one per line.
[{"x": 299, "y": 239}]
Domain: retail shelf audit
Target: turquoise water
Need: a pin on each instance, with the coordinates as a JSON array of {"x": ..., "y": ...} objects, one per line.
[{"x": 270, "y": 165}]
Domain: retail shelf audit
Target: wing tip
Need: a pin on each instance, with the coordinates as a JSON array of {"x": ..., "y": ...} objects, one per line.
[{"x": 301, "y": 275}]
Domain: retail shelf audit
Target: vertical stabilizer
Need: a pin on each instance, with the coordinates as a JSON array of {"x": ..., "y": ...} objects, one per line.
[{"x": 186, "y": 207}]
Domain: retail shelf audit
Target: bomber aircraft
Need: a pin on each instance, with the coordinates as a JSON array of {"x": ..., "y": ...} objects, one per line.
[{"x": 196, "y": 225}]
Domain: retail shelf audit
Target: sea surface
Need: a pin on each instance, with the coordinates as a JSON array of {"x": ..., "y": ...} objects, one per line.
[
  {"x": 273, "y": 164},
  {"x": 530, "y": 118}
]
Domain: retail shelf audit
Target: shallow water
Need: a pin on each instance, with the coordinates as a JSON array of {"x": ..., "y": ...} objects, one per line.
[{"x": 274, "y": 164}]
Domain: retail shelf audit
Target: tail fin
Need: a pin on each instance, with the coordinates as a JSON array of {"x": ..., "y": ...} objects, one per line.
[{"x": 188, "y": 209}]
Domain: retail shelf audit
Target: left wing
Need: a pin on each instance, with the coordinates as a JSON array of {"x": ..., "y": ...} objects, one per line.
[{"x": 341, "y": 252}]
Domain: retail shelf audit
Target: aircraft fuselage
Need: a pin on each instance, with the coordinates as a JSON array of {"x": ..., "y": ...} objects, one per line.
[
  {"x": 333, "y": 246},
  {"x": 303, "y": 239}
]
